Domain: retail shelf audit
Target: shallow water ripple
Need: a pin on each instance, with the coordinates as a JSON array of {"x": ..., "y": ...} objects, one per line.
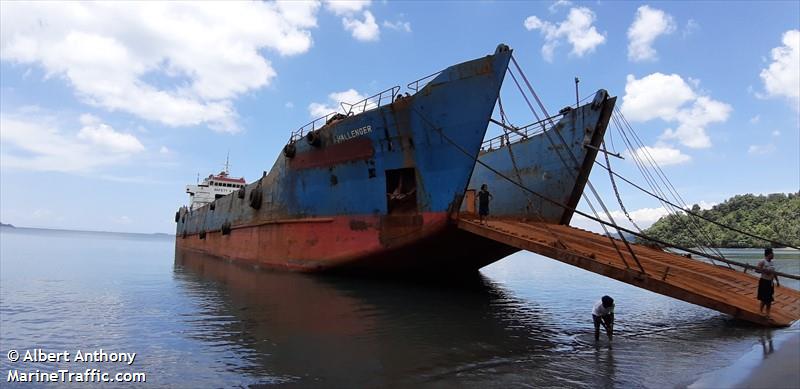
[{"x": 200, "y": 322}]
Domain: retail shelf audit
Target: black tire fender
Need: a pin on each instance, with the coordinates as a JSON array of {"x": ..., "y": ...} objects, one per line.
[
  {"x": 256, "y": 197},
  {"x": 289, "y": 150},
  {"x": 313, "y": 139}
]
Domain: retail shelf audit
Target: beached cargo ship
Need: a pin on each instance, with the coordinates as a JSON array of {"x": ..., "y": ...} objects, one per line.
[
  {"x": 379, "y": 188},
  {"x": 374, "y": 183}
]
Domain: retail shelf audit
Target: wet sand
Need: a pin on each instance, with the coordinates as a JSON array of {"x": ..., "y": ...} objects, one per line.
[
  {"x": 773, "y": 363},
  {"x": 780, "y": 369}
]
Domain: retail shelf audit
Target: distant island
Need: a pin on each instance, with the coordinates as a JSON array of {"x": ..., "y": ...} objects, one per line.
[
  {"x": 7, "y": 225},
  {"x": 775, "y": 216}
]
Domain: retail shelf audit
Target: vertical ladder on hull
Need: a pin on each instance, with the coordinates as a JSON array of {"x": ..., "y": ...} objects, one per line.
[{"x": 719, "y": 288}]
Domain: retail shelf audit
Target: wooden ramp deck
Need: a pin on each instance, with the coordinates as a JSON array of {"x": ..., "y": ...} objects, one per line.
[{"x": 720, "y": 288}]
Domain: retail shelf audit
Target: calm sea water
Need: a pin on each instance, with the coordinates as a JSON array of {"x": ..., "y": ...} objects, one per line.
[{"x": 202, "y": 322}]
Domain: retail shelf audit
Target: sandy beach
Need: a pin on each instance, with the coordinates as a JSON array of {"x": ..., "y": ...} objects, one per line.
[
  {"x": 778, "y": 369},
  {"x": 773, "y": 363}
]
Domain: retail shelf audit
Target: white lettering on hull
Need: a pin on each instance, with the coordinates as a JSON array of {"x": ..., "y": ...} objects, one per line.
[{"x": 361, "y": 131}]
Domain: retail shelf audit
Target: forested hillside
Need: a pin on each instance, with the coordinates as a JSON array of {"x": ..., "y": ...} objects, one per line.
[{"x": 775, "y": 216}]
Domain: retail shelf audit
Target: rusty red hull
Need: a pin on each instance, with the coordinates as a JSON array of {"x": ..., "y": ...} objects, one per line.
[
  {"x": 428, "y": 243},
  {"x": 370, "y": 190}
]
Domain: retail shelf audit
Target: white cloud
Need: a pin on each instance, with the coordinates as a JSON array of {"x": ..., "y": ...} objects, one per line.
[
  {"x": 366, "y": 30},
  {"x": 289, "y": 105},
  {"x": 644, "y": 218},
  {"x": 693, "y": 121},
  {"x": 205, "y": 54},
  {"x": 36, "y": 143},
  {"x": 648, "y": 25},
  {"x": 782, "y": 77},
  {"x": 398, "y": 25},
  {"x": 104, "y": 136},
  {"x": 670, "y": 98},
  {"x": 577, "y": 29},
  {"x": 558, "y": 4},
  {"x": 706, "y": 204},
  {"x": 755, "y": 119},
  {"x": 164, "y": 150},
  {"x": 655, "y": 96},
  {"x": 761, "y": 149},
  {"x": 776, "y": 133},
  {"x": 690, "y": 28},
  {"x": 335, "y": 99},
  {"x": 346, "y": 7},
  {"x": 663, "y": 155},
  {"x": 123, "y": 220}
]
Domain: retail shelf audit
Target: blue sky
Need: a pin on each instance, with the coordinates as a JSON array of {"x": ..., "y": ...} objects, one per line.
[{"x": 109, "y": 109}]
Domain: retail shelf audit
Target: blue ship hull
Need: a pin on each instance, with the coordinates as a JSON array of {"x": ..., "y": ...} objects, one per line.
[
  {"x": 360, "y": 191},
  {"x": 555, "y": 164}
]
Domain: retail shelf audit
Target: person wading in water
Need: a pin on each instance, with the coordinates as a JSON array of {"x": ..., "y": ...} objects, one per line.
[
  {"x": 603, "y": 313},
  {"x": 483, "y": 202},
  {"x": 765, "y": 286}
]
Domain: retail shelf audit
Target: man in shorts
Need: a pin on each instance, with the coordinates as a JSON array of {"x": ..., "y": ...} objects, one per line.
[
  {"x": 765, "y": 287},
  {"x": 603, "y": 314}
]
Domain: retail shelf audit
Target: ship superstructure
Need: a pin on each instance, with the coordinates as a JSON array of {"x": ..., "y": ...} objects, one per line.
[{"x": 213, "y": 187}]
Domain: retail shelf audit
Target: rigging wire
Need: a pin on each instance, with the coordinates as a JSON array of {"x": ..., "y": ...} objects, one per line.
[
  {"x": 569, "y": 169},
  {"x": 670, "y": 187},
  {"x": 652, "y": 182},
  {"x": 629, "y": 182},
  {"x": 573, "y": 209},
  {"x": 616, "y": 191},
  {"x": 575, "y": 160},
  {"x": 505, "y": 120},
  {"x": 641, "y": 162}
]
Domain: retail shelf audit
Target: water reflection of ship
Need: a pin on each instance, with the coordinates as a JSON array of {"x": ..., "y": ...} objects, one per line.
[{"x": 332, "y": 331}]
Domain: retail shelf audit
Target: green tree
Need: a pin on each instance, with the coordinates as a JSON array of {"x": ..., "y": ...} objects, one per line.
[{"x": 775, "y": 216}]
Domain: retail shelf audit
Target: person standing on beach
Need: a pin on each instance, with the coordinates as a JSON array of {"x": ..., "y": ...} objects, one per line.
[
  {"x": 603, "y": 314},
  {"x": 765, "y": 287},
  {"x": 483, "y": 202}
]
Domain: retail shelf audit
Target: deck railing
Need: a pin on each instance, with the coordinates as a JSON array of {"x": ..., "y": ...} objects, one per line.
[
  {"x": 414, "y": 85},
  {"x": 371, "y": 102},
  {"x": 515, "y": 136},
  {"x": 348, "y": 109}
]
